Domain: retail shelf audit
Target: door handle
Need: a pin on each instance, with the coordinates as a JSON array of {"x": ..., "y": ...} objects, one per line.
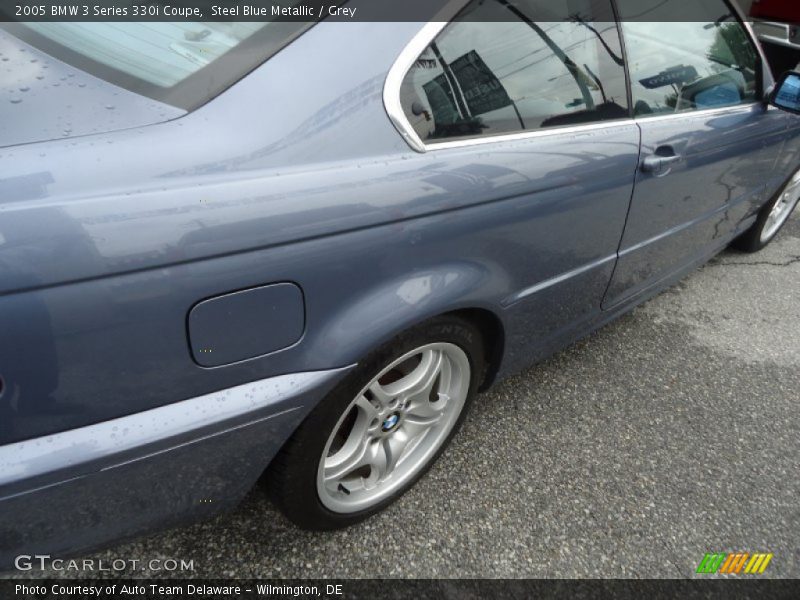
[{"x": 658, "y": 163}]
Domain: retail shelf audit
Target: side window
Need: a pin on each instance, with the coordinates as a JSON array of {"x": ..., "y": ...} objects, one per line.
[
  {"x": 686, "y": 56},
  {"x": 504, "y": 67}
]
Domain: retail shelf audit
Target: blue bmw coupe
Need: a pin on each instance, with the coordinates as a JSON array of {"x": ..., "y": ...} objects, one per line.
[{"x": 243, "y": 251}]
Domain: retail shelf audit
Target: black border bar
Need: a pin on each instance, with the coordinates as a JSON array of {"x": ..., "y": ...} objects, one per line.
[
  {"x": 398, "y": 589},
  {"x": 304, "y": 11}
]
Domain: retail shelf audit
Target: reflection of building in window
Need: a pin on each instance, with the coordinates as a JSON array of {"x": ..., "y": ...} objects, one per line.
[
  {"x": 503, "y": 71},
  {"x": 466, "y": 90}
]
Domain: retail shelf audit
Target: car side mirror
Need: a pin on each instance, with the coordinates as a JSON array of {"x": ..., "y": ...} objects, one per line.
[{"x": 786, "y": 94}]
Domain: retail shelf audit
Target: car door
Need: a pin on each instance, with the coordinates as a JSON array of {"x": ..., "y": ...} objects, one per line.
[
  {"x": 709, "y": 143},
  {"x": 523, "y": 107}
]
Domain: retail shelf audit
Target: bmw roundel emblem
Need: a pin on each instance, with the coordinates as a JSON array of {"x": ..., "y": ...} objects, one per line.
[{"x": 390, "y": 422}]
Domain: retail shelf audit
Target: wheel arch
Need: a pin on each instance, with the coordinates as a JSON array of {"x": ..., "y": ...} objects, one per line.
[
  {"x": 379, "y": 314},
  {"x": 492, "y": 336}
]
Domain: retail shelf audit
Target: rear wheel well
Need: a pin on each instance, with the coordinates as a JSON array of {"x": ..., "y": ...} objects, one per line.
[{"x": 493, "y": 338}]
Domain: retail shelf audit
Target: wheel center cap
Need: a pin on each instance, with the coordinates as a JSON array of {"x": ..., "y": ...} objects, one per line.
[{"x": 390, "y": 422}]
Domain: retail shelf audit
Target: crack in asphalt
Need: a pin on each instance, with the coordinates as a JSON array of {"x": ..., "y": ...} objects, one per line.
[{"x": 762, "y": 263}]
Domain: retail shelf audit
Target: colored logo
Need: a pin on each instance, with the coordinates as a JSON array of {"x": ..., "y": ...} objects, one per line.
[
  {"x": 735, "y": 563},
  {"x": 390, "y": 422}
]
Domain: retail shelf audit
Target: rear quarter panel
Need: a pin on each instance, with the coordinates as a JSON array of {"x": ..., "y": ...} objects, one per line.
[{"x": 287, "y": 178}]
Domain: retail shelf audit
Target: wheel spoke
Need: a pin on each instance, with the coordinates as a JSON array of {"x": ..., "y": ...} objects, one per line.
[
  {"x": 420, "y": 410},
  {"x": 420, "y": 381},
  {"x": 384, "y": 456},
  {"x": 380, "y": 393},
  {"x": 367, "y": 408},
  {"x": 378, "y": 463},
  {"x": 352, "y": 456},
  {"x": 352, "y": 453},
  {"x": 394, "y": 447},
  {"x": 414, "y": 437},
  {"x": 425, "y": 413}
]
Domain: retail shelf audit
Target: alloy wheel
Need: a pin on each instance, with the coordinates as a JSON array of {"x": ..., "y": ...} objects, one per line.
[
  {"x": 393, "y": 427},
  {"x": 782, "y": 209}
]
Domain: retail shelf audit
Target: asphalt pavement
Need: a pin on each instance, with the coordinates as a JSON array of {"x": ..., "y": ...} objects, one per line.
[{"x": 673, "y": 432}]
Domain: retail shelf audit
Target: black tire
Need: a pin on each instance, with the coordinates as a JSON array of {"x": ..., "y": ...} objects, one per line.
[
  {"x": 751, "y": 240},
  {"x": 292, "y": 476}
]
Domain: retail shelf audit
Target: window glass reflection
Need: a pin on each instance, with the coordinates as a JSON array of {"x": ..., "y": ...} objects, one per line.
[
  {"x": 502, "y": 67},
  {"x": 687, "y": 56}
]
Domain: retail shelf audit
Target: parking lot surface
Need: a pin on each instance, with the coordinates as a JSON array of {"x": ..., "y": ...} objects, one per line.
[{"x": 673, "y": 432}]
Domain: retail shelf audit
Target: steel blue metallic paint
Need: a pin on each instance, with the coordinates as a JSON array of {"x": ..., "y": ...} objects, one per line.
[
  {"x": 351, "y": 233},
  {"x": 104, "y": 481},
  {"x": 33, "y": 83},
  {"x": 109, "y": 239},
  {"x": 719, "y": 180},
  {"x": 245, "y": 324}
]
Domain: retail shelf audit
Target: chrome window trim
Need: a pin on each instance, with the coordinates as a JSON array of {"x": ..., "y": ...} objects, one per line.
[
  {"x": 423, "y": 38},
  {"x": 706, "y": 112},
  {"x": 397, "y": 73},
  {"x": 404, "y": 62},
  {"x": 526, "y": 135}
]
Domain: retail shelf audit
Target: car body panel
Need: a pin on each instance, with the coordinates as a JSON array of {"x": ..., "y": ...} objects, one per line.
[
  {"x": 34, "y": 83},
  {"x": 727, "y": 157},
  {"x": 213, "y": 448},
  {"x": 246, "y": 324},
  {"x": 377, "y": 243}
]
